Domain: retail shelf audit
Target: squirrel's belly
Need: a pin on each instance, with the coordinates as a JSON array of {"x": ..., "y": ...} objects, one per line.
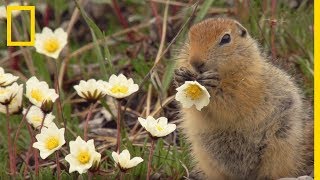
[{"x": 236, "y": 155}]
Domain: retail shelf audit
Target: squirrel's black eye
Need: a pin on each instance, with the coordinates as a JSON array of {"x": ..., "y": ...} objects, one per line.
[{"x": 225, "y": 39}]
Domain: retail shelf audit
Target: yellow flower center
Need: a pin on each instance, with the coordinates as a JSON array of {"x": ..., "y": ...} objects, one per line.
[
  {"x": 119, "y": 89},
  {"x": 193, "y": 91},
  {"x": 13, "y": 101},
  {"x": 52, "y": 142},
  {"x": 3, "y": 90},
  {"x": 83, "y": 157},
  {"x": 36, "y": 119},
  {"x": 51, "y": 45},
  {"x": 159, "y": 128},
  {"x": 37, "y": 95}
]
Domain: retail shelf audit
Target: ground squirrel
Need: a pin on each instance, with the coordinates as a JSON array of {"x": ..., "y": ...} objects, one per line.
[{"x": 256, "y": 125}]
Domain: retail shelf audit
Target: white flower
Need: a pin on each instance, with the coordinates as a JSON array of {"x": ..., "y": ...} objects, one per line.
[
  {"x": 157, "y": 128},
  {"x": 35, "y": 116},
  {"x": 83, "y": 155},
  {"x": 120, "y": 86},
  {"x": 15, "y": 104},
  {"x": 38, "y": 92},
  {"x": 8, "y": 93},
  {"x": 3, "y": 10},
  {"x": 51, "y": 43},
  {"x": 91, "y": 90},
  {"x": 49, "y": 140},
  {"x": 193, "y": 93},
  {"x": 123, "y": 160},
  {"x": 6, "y": 78}
]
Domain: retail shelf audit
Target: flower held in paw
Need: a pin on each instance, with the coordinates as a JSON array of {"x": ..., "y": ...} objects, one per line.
[
  {"x": 157, "y": 127},
  {"x": 49, "y": 140},
  {"x": 83, "y": 155},
  {"x": 123, "y": 160},
  {"x": 192, "y": 93},
  {"x": 120, "y": 87}
]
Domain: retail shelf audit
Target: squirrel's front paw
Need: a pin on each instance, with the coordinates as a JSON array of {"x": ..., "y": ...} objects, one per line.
[
  {"x": 209, "y": 79},
  {"x": 183, "y": 74}
]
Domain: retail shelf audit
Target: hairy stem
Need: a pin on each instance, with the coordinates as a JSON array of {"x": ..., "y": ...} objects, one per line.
[
  {"x": 58, "y": 165},
  {"x": 119, "y": 126},
  {"x": 42, "y": 122},
  {"x": 35, "y": 152},
  {"x": 156, "y": 15},
  {"x": 122, "y": 19},
  {"x": 27, "y": 161},
  {"x": 150, "y": 158},
  {"x": 87, "y": 122},
  {"x": 90, "y": 175},
  {"x": 57, "y": 88},
  {"x": 18, "y": 132},
  {"x": 11, "y": 157}
]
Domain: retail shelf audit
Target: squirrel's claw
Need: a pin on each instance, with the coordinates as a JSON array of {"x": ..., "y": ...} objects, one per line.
[
  {"x": 183, "y": 74},
  {"x": 209, "y": 79},
  {"x": 208, "y": 75}
]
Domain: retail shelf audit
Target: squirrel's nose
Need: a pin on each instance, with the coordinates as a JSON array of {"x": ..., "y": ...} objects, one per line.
[{"x": 198, "y": 65}]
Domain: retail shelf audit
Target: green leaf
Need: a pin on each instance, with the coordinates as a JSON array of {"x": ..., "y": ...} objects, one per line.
[
  {"x": 97, "y": 34},
  {"x": 40, "y": 62},
  {"x": 203, "y": 10},
  {"x": 168, "y": 75}
]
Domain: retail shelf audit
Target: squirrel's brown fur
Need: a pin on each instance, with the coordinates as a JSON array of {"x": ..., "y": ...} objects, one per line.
[{"x": 256, "y": 125}]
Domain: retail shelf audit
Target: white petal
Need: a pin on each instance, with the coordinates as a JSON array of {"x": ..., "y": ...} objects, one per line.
[
  {"x": 125, "y": 155},
  {"x": 134, "y": 161},
  {"x": 115, "y": 157},
  {"x": 47, "y": 31},
  {"x": 71, "y": 162},
  {"x": 124, "y": 158},
  {"x": 90, "y": 144},
  {"x": 122, "y": 78},
  {"x": 142, "y": 121},
  {"x": 113, "y": 79},
  {"x": 162, "y": 121},
  {"x": 45, "y": 154},
  {"x": 170, "y": 128}
]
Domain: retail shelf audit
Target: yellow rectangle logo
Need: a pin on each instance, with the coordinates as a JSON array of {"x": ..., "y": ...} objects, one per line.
[{"x": 32, "y": 25}]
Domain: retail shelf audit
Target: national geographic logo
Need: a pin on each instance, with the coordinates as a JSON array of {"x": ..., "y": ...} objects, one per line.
[{"x": 31, "y": 9}]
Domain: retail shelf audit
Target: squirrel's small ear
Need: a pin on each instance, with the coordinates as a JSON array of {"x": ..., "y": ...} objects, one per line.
[{"x": 242, "y": 30}]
